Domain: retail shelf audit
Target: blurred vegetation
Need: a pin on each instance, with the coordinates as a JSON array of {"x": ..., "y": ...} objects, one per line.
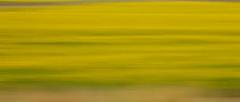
[{"x": 121, "y": 44}]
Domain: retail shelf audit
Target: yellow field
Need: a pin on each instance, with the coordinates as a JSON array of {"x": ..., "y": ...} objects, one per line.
[{"x": 121, "y": 44}]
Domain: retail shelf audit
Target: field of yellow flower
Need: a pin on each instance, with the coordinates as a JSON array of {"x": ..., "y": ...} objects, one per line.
[{"x": 121, "y": 44}]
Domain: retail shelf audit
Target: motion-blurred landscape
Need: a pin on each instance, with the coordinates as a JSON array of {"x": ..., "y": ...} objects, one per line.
[{"x": 119, "y": 51}]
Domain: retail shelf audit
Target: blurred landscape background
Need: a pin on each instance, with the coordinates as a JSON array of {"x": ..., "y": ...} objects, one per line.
[{"x": 119, "y": 51}]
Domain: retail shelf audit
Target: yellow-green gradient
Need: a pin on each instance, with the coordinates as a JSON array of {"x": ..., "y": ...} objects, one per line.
[{"x": 121, "y": 44}]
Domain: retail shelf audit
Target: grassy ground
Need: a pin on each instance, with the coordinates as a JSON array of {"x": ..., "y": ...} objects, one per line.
[
  {"x": 121, "y": 44},
  {"x": 119, "y": 95}
]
